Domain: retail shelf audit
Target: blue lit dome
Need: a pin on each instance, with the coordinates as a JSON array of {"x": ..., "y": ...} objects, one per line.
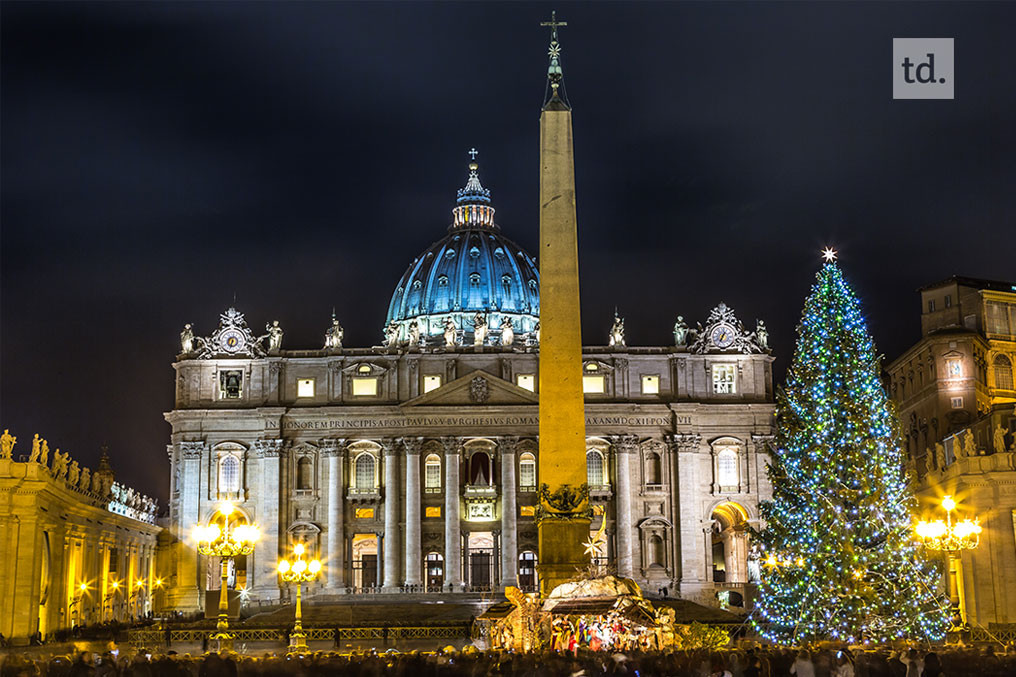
[{"x": 474, "y": 268}]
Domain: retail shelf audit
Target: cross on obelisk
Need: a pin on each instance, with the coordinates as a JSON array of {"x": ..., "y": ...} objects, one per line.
[
  {"x": 473, "y": 152},
  {"x": 553, "y": 23}
]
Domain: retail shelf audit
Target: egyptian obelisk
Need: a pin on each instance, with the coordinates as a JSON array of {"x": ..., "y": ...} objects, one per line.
[{"x": 563, "y": 523}]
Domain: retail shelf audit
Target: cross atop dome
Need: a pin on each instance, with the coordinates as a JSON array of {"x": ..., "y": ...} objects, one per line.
[{"x": 473, "y": 201}]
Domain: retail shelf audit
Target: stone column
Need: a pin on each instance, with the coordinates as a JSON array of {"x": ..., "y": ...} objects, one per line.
[
  {"x": 335, "y": 556},
  {"x": 391, "y": 542},
  {"x": 694, "y": 550},
  {"x": 453, "y": 539},
  {"x": 624, "y": 448},
  {"x": 413, "y": 556},
  {"x": 185, "y": 595},
  {"x": 509, "y": 512},
  {"x": 266, "y": 551}
]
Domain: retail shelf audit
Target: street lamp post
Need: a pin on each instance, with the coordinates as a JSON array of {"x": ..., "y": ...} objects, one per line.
[
  {"x": 951, "y": 538},
  {"x": 298, "y": 571},
  {"x": 225, "y": 543}
]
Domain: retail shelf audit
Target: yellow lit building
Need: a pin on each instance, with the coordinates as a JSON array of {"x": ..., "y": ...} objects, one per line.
[
  {"x": 78, "y": 548},
  {"x": 955, "y": 393}
]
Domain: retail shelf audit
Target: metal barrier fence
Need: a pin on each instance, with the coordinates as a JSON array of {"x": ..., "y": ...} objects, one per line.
[{"x": 164, "y": 639}]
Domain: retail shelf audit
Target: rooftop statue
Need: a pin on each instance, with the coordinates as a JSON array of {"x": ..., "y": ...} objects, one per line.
[
  {"x": 680, "y": 331},
  {"x": 274, "y": 336},
  {"x": 187, "y": 340},
  {"x": 36, "y": 449},
  {"x": 44, "y": 458},
  {"x": 479, "y": 329},
  {"x": 450, "y": 331},
  {"x": 334, "y": 335},
  {"x": 74, "y": 474},
  {"x": 999, "y": 439},
  {"x": 84, "y": 483},
  {"x": 7, "y": 442},
  {"x": 762, "y": 335},
  {"x": 616, "y": 337},
  {"x": 507, "y": 332},
  {"x": 392, "y": 334},
  {"x": 414, "y": 334}
]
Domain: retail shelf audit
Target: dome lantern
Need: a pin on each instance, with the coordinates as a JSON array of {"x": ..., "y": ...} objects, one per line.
[{"x": 472, "y": 205}]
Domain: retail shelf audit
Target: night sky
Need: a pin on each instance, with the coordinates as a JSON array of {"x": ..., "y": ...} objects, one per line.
[{"x": 160, "y": 159}]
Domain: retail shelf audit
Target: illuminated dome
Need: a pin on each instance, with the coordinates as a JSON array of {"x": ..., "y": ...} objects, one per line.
[{"x": 474, "y": 268}]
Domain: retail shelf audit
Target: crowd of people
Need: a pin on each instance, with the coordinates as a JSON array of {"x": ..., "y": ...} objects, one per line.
[{"x": 750, "y": 662}]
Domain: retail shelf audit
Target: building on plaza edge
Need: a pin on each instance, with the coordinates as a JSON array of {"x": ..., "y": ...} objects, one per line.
[
  {"x": 957, "y": 403},
  {"x": 411, "y": 466}
]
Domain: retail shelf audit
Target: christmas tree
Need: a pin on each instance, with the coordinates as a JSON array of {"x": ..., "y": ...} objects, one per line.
[{"x": 839, "y": 560}]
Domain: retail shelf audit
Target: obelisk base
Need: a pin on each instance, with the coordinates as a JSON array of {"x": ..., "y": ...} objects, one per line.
[{"x": 562, "y": 556}]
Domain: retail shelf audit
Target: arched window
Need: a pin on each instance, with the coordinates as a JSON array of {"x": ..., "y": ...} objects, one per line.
[
  {"x": 657, "y": 554},
  {"x": 1003, "y": 372},
  {"x": 654, "y": 468},
  {"x": 726, "y": 468},
  {"x": 229, "y": 475},
  {"x": 479, "y": 469},
  {"x": 527, "y": 470},
  {"x": 364, "y": 472},
  {"x": 432, "y": 472},
  {"x": 594, "y": 468},
  {"x": 304, "y": 473}
]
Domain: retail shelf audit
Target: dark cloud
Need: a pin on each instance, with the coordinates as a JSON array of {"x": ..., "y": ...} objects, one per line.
[{"x": 158, "y": 159}]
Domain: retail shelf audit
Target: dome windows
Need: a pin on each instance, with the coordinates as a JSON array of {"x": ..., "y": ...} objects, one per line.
[
  {"x": 499, "y": 253},
  {"x": 442, "y": 280},
  {"x": 474, "y": 278},
  {"x": 474, "y": 252},
  {"x": 450, "y": 254},
  {"x": 417, "y": 285}
]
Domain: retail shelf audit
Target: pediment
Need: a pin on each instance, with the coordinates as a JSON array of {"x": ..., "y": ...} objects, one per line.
[{"x": 475, "y": 388}]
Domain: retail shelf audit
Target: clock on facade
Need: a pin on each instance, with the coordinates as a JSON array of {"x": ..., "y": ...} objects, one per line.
[
  {"x": 231, "y": 340},
  {"x": 722, "y": 336}
]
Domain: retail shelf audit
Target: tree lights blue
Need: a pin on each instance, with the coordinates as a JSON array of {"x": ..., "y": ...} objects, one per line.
[{"x": 838, "y": 558}]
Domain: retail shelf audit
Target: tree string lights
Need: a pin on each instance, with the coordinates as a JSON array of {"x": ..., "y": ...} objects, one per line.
[{"x": 839, "y": 561}]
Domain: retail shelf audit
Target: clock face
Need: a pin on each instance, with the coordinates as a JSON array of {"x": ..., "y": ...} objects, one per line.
[
  {"x": 231, "y": 340},
  {"x": 722, "y": 336}
]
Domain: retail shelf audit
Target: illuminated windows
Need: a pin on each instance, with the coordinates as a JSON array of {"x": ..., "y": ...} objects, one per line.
[
  {"x": 432, "y": 511},
  {"x": 592, "y": 379},
  {"x": 723, "y": 378},
  {"x": 527, "y": 381},
  {"x": 305, "y": 387},
  {"x": 527, "y": 510},
  {"x": 726, "y": 467},
  {"x": 432, "y": 474},
  {"x": 650, "y": 384},
  {"x": 527, "y": 472},
  {"x": 364, "y": 513},
  {"x": 364, "y": 386},
  {"x": 594, "y": 468},
  {"x": 365, "y": 472},
  {"x": 229, "y": 475},
  {"x": 1003, "y": 372},
  {"x": 957, "y": 402},
  {"x": 431, "y": 382}
]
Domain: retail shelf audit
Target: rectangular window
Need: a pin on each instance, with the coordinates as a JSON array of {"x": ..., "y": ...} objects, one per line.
[
  {"x": 432, "y": 476},
  {"x": 364, "y": 386},
  {"x": 997, "y": 317},
  {"x": 931, "y": 305},
  {"x": 723, "y": 378},
  {"x": 527, "y": 474},
  {"x": 365, "y": 513},
  {"x": 527, "y": 510},
  {"x": 948, "y": 300},
  {"x": 527, "y": 381},
  {"x": 432, "y": 511},
  {"x": 592, "y": 384},
  {"x": 650, "y": 384},
  {"x": 431, "y": 382},
  {"x": 305, "y": 387},
  {"x": 230, "y": 384},
  {"x": 957, "y": 402}
]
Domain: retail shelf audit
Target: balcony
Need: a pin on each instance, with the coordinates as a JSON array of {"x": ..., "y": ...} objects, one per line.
[
  {"x": 480, "y": 491},
  {"x": 363, "y": 494}
]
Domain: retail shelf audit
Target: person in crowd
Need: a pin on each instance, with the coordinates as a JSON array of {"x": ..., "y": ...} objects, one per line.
[{"x": 803, "y": 667}]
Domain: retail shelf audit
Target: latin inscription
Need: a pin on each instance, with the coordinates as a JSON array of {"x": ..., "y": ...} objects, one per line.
[{"x": 386, "y": 422}]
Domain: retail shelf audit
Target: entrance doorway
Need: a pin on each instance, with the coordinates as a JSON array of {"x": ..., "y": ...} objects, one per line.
[
  {"x": 480, "y": 549},
  {"x": 364, "y": 561},
  {"x": 434, "y": 565}
]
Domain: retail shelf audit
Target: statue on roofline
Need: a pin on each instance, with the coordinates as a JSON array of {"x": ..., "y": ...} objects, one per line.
[
  {"x": 616, "y": 338},
  {"x": 187, "y": 340},
  {"x": 449, "y": 332},
  {"x": 334, "y": 335},
  {"x": 507, "y": 332},
  {"x": 7, "y": 442}
]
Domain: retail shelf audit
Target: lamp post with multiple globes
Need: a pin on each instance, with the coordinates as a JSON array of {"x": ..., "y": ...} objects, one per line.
[
  {"x": 225, "y": 543},
  {"x": 951, "y": 538},
  {"x": 298, "y": 571}
]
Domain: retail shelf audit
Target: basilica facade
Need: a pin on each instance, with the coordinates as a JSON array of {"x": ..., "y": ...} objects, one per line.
[{"x": 412, "y": 466}]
